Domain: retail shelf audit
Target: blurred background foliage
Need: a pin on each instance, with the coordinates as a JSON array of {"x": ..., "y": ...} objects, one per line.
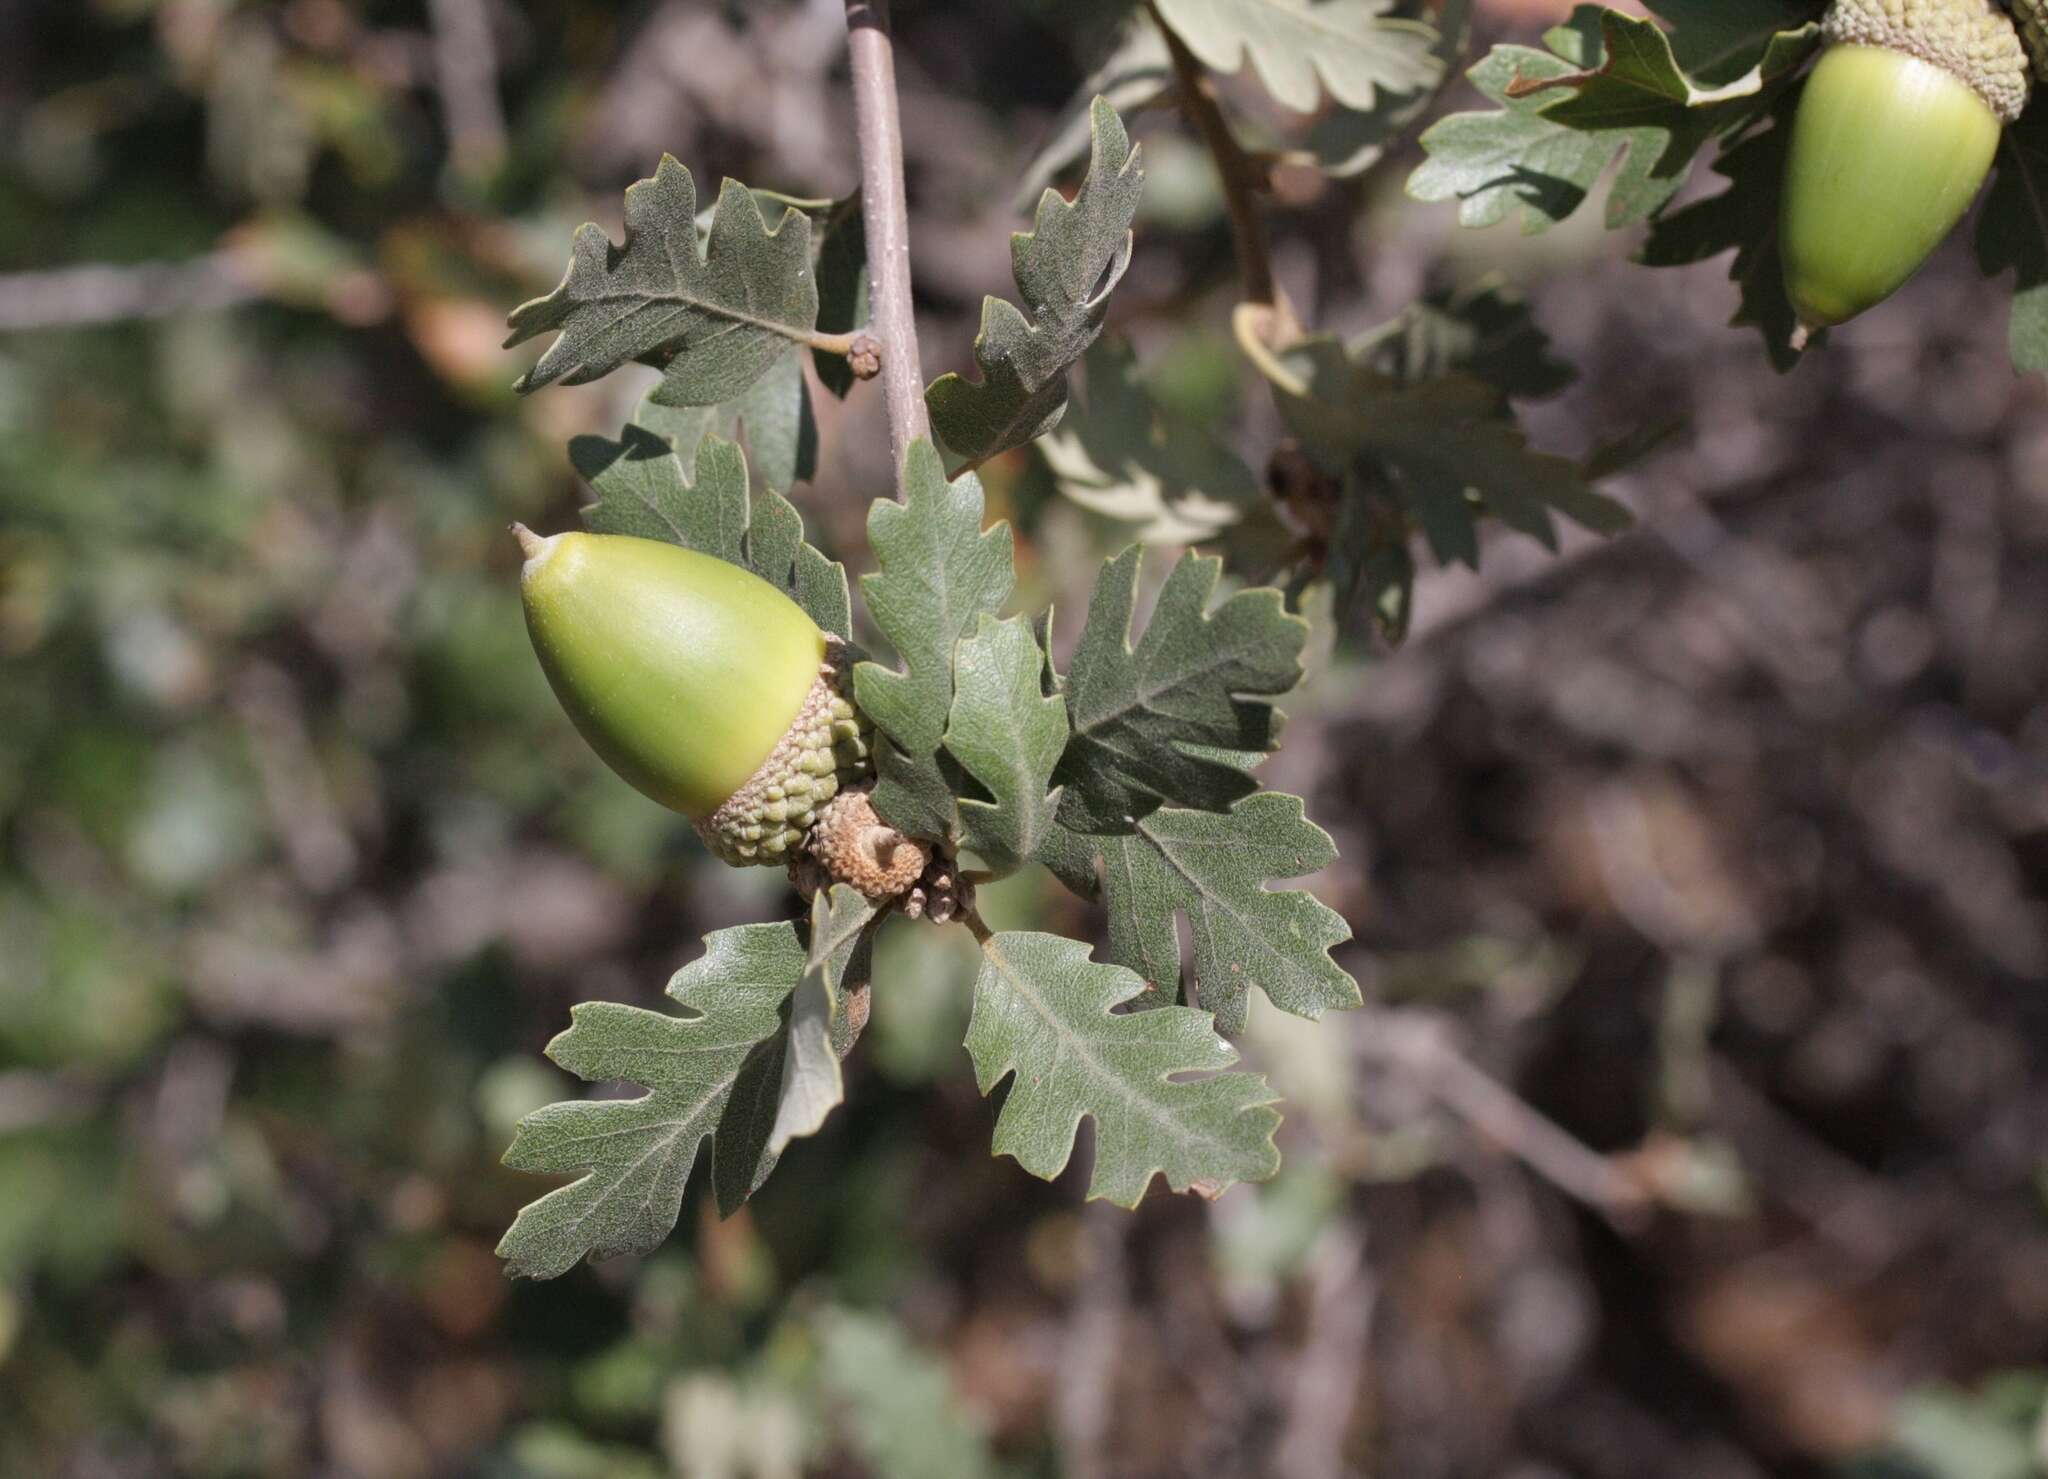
[{"x": 1698, "y": 1120}]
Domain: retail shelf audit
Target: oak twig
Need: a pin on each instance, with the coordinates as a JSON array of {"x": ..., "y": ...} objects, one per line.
[
  {"x": 1423, "y": 1046},
  {"x": 1243, "y": 176},
  {"x": 886, "y": 214}
]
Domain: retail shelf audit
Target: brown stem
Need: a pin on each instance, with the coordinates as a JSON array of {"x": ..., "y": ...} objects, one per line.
[
  {"x": 886, "y": 214},
  {"x": 976, "y": 927},
  {"x": 1242, "y": 176}
]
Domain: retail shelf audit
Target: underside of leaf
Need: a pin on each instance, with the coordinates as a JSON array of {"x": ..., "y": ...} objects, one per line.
[{"x": 713, "y": 1075}]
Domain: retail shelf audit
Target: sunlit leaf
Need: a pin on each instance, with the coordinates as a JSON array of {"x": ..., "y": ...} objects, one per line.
[
  {"x": 938, "y": 573},
  {"x": 1043, "y": 1018},
  {"x": 714, "y": 1075},
  {"x": 1354, "y": 48},
  {"x": 1566, "y": 113},
  {"x": 821, "y": 1027},
  {"x": 1008, "y": 735},
  {"x": 1213, "y": 868},
  {"x": 1146, "y": 714},
  {"x": 713, "y": 321}
]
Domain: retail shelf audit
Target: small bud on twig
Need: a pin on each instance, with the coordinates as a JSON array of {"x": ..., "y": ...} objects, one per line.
[{"x": 865, "y": 357}]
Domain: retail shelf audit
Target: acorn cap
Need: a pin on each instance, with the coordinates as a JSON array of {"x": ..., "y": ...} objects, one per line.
[
  {"x": 1972, "y": 40},
  {"x": 2031, "y": 18},
  {"x": 824, "y": 750},
  {"x": 854, "y": 845}
]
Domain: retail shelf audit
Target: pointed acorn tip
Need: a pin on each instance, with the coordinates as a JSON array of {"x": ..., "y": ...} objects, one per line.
[{"x": 530, "y": 544}]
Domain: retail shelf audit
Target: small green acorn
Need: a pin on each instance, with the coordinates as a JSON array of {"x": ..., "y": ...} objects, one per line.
[
  {"x": 698, "y": 682},
  {"x": 1893, "y": 138}
]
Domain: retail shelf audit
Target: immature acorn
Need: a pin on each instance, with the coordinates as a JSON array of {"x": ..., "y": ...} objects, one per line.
[
  {"x": 1893, "y": 139},
  {"x": 700, "y": 683}
]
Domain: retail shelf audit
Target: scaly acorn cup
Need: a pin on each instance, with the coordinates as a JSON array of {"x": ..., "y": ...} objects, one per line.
[
  {"x": 1893, "y": 138},
  {"x": 698, "y": 682}
]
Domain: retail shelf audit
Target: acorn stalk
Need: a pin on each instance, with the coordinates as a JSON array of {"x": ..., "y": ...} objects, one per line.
[
  {"x": 701, "y": 684},
  {"x": 1893, "y": 139}
]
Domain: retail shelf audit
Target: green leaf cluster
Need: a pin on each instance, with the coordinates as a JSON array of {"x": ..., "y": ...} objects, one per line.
[
  {"x": 992, "y": 752},
  {"x": 1159, "y": 817},
  {"x": 1359, "y": 73},
  {"x": 1610, "y": 86},
  {"x": 712, "y": 1076},
  {"x": 1409, "y": 429},
  {"x": 1414, "y": 427},
  {"x": 1129, "y": 776},
  {"x": 1719, "y": 76},
  {"x": 1043, "y": 1018}
]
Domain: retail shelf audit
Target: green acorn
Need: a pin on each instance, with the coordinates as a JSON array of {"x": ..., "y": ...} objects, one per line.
[
  {"x": 1893, "y": 139},
  {"x": 700, "y": 683}
]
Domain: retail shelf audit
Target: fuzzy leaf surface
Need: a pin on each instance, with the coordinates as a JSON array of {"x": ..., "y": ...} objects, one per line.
[
  {"x": 1042, "y": 1017},
  {"x": 837, "y": 962},
  {"x": 1214, "y": 869},
  {"x": 1618, "y": 88},
  {"x": 938, "y": 572},
  {"x": 1008, "y": 734},
  {"x": 1145, "y": 715},
  {"x": 713, "y": 1074},
  {"x": 774, "y": 413},
  {"x": 1065, "y": 267},
  {"x": 1354, "y": 48},
  {"x": 712, "y": 321}
]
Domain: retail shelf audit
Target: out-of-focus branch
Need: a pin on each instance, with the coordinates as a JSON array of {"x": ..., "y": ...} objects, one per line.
[
  {"x": 106, "y": 293},
  {"x": 1326, "y": 1384},
  {"x": 466, "y": 73},
  {"x": 1423, "y": 1047},
  {"x": 886, "y": 214},
  {"x": 1082, "y": 1397},
  {"x": 322, "y": 853},
  {"x": 31, "y": 1100}
]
